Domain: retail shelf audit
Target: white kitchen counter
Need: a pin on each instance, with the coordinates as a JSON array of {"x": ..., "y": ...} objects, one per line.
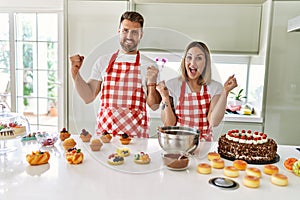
[{"x": 94, "y": 179}]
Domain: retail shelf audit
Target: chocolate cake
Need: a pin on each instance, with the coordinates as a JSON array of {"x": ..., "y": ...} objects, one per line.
[
  {"x": 7, "y": 133},
  {"x": 252, "y": 147}
]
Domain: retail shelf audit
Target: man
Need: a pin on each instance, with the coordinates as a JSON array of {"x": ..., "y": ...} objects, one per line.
[{"x": 126, "y": 81}]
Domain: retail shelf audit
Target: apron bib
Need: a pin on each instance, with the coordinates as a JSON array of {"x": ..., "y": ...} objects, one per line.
[
  {"x": 192, "y": 110},
  {"x": 123, "y": 102}
]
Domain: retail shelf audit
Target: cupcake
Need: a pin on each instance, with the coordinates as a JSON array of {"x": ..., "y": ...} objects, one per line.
[
  {"x": 69, "y": 143},
  {"x": 64, "y": 134},
  {"x": 85, "y": 136},
  {"x": 105, "y": 137},
  {"x": 96, "y": 145},
  {"x": 125, "y": 139}
]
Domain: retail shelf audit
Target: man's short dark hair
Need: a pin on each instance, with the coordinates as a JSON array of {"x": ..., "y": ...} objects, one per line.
[{"x": 133, "y": 17}]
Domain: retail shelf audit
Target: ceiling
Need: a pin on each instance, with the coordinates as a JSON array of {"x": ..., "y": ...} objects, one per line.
[{"x": 201, "y": 1}]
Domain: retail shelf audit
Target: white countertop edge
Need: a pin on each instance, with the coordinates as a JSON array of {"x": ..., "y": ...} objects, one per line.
[{"x": 243, "y": 118}]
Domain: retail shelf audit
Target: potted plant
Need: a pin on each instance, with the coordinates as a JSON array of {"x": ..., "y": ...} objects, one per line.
[{"x": 237, "y": 97}]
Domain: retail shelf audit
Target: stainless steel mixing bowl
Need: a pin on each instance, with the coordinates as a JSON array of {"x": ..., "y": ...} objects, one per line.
[{"x": 178, "y": 138}]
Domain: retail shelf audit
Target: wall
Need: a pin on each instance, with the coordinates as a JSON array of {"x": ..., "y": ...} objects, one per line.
[
  {"x": 224, "y": 27},
  {"x": 92, "y": 25},
  {"x": 282, "y": 119}
]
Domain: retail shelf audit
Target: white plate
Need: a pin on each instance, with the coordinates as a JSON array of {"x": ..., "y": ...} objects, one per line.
[{"x": 136, "y": 145}]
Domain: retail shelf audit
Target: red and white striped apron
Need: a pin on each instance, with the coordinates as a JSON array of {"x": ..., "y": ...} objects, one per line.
[
  {"x": 192, "y": 110},
  {"x": 123, "y": 102}
]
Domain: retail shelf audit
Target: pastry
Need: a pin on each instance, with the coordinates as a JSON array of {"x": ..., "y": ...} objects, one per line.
[
  {"x": 125, "y": 139},
  {"x": 38, "y": 158},
  {"x": 30, "y": 136},
  {"x": 240, "y": 164},
  {"x": 19, "y": 129},
  {"x": 115, "y": 159},
  {"x": 142, "y": 158},
  {"x": 253, "y": 171},
  {"x": 213, "y": 155},
  {"x": 74, "y": 156},
  {"x": 217, "y": 163},
  {"x": 85, "y": 136},
  {"x": 46, "y": 139},
  {"x": 105, "y": 137},
  {"x": 204, "y": 168},
  {"x": 289, "y": 162},
  {"x": 69, "y": 143},
  {"x": 6, "y": 132},
  {"x": 64, "y": 134},
  {"x": 251, "y": 181},
  {"x": 96, "y": 145},
  {"x": 270, "y": 169},
  {"x": 123, "y": 152},
  {"x": 279, "y": 179},
  {"x": 231, "y": 171},
  {"x": 296, "y": 168}
]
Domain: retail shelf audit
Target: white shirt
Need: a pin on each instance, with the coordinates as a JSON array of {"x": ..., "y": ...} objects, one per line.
[
  {"x": 174, "y": 86},
  {"x": 99, "y": 68}
]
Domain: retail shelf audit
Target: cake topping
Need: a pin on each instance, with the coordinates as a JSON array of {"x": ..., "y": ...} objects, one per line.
[
  {"x": 115, "y": 157},
  {"x": 125, "y": 135},
  {"x": 248, "y": 137},
  {"x": 84, "y": 132},
  {"x": 105, "y": 133}
]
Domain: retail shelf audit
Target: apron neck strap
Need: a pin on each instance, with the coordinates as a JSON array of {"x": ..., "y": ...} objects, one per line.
[
  {"x": 112, "y": 61},
  {"x": 182, "y": 92},
  {"x": 114, "y": 57}
]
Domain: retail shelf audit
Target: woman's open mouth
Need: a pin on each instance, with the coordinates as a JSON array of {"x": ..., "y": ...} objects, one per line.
[{"x": 193, "y": 70}]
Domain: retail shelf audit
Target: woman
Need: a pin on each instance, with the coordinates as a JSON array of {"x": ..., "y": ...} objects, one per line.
[{"x": 194, "y": 99}]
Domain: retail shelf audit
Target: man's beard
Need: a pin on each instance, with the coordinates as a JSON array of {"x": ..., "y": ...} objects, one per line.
[{"x": 128, "y": 47}]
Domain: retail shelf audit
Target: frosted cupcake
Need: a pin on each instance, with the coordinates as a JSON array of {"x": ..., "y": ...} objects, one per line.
[
  {"x": 85, "y": 136},
  {"x": 105, "y": 137}
]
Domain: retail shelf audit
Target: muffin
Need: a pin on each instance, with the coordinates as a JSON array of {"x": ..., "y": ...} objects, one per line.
[
  {"x": 105, "y": 137},
  {"x": 69, "y": 143},
  {"x": 96, "y": 145},
  {"x": 64, "y": 134},
  {"x": 85, "y": 136}
]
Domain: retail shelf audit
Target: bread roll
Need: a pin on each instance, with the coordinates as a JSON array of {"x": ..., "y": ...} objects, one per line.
[
  {"x": 240, "y": 164},
  {"x": 270, "y": 169},
  {"x": 279, "y": 179},
  {"x": 251, "y": 181},
  {"x": 204, "y": 168}
]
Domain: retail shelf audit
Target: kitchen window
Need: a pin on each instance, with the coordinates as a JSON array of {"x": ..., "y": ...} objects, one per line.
[{"x": 29, "y": 66}]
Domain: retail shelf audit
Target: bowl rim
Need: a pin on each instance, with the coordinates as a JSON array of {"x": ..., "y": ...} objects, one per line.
[{"x": 193, "y": 131}]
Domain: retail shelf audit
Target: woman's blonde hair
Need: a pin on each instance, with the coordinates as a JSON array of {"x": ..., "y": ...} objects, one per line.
[{"x": 205, "y": 77}]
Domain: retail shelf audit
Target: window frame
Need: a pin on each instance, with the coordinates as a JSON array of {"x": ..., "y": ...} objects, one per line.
[{"x": 60, "y": 61}]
